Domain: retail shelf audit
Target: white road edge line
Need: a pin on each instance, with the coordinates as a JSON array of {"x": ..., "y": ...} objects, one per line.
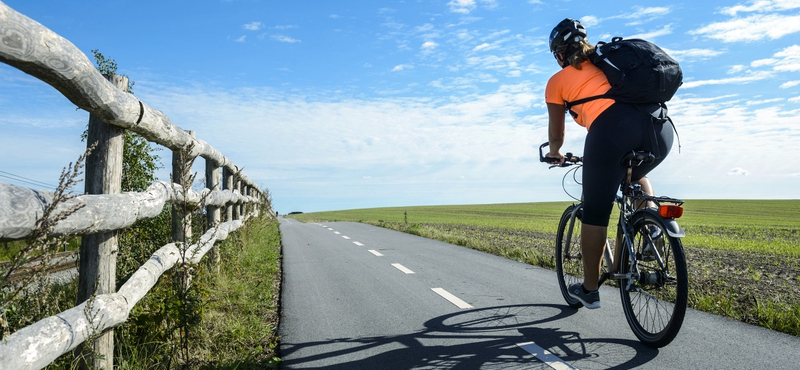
[
  {"x": 358, "y": 244},
  {"x": 402, "y": 268},
  {"x": 545, "y": 356},
  {"x": 375, "y": 253},
  {"x": 450, "y": 297}
]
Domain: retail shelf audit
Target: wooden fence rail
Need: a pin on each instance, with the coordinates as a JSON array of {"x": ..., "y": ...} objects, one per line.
[
  {"x": 38, "y": 51},
  {"x": 37, "y": 345},
  {"x": 20, "y": 207}
]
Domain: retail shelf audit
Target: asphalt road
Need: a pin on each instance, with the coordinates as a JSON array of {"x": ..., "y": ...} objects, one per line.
[{"x": 356, "y": 296}]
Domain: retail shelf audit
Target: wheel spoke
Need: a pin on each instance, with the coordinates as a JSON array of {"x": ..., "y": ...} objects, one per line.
[{"x": 656, "y": 303}]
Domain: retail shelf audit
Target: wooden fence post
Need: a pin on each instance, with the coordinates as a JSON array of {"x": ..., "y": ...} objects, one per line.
[
  {"x": 213, "y": 212},
  {"x": 227, "y": 184},
  {"x": 237, "y": 185},
  {"x": 182, "y": 175},
  {"x": 98, "y": 254}
]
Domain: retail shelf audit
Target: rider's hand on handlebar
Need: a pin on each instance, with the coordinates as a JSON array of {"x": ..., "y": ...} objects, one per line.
[{"x": 554, "y": 159}]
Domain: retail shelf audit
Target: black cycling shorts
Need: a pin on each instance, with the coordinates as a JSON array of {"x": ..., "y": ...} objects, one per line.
[{"x": 620, "y": 129}]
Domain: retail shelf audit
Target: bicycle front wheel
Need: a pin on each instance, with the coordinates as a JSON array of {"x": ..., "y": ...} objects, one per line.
[
  {"x": 569, "y": 260},
  {"x": 655, "y": 301}
]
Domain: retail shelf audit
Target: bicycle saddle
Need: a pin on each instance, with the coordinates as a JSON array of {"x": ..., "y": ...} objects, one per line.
[{"x": 638, "y": 158}]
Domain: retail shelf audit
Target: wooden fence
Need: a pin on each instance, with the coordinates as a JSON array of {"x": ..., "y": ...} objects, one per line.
[{"x": 36, "y": 50}]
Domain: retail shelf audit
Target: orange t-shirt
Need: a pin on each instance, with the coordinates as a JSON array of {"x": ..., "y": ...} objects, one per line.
[{"x": 571, "y": 84}]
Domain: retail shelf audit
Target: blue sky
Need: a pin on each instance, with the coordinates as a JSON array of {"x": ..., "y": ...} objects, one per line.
[{"x": 353, "y": 104}]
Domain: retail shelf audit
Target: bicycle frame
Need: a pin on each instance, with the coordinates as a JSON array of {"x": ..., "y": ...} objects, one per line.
[
  {"x": 631, "y": 195},
  {"x": 652, "y": 277}
]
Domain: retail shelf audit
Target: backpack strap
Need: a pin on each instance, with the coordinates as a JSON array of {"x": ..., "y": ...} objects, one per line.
[{"x": 569, "y": 104}]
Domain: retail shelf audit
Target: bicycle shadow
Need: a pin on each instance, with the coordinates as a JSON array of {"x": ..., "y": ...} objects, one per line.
[{"x": 472, "y": 339}]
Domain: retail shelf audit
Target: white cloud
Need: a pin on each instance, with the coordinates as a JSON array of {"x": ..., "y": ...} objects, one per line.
[
  {"x": 762, "y": 6},
  {"x": 484, "y": 46},
  {"x": 462, "y": 6},
  {"x": 755, "y": 76},
  {"x": 789, "y": 84},
  {"x": 240, "y": 39},
  {"x": 467, "y": 6},
  {"x": 253, "y": 26},
  {"x": 786, "y": 60},
  {"x": 737, "y": 69},
  {"x": 401, "y": 67},
  {"x": 766, "y": 101},
  {"x": 666, "y": 30},
  {"x": 286, "y": 39},
  {"x": 283, "y": 27},
  {"x": 639, "y": 15},
  {"x": 589, "y": 20},
  {"x": 409, "y": 146},
  {"x": 796, "y": 99},
  {"x": 738, "y": 171},
  {"x": 695, "y": 54},
  {"x": 753, "y": 28},
  {"x": 653, "y": 11},
  {"x": 429, "y": 46}
]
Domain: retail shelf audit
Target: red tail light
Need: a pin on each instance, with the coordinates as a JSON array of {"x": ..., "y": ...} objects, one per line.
[{"x": 670, "y": 211}]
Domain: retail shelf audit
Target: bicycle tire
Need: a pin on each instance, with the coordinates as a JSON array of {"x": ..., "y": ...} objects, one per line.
[
  {"x": 655, "y": 304},
  {"x": 569, "y": 259}
]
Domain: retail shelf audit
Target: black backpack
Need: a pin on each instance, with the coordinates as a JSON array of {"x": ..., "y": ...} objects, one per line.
[{"x": 639, "y": 72}]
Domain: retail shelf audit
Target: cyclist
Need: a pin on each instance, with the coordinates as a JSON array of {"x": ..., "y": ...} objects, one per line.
[{"x": 614, "y": 129}]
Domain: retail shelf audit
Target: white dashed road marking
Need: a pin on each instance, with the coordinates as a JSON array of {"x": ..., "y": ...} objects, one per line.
[
  {"x": 346, "y": 237},
  {"x": 402, "y": 268},
  {"x": 358, "y": 244},
  {"x": 375, "y": 253},
  {"x": 545, "y": 356},
  {"x": 450, "y": 297}
]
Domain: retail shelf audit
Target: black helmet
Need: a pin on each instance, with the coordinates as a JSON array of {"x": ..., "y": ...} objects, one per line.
[{"x": 566, "y": 33}]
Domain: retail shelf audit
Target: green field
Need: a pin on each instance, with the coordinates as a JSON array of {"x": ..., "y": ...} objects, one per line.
[
  {"x": 743, "y": 255},
  {"x": 769, "y": 226}
]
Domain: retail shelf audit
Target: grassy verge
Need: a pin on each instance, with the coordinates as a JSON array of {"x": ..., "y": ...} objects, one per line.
[
  {"x": 742, "y": 254},
  {"x": 239, "y": 327},
  {"x": 10, "y": 249},
  {"x": 236, "y": 311}
]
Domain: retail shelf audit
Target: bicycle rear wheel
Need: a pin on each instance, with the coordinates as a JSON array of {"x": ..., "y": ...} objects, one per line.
[
  {"x": 655, "y": 304},
  {"x": 569, "y": 260}
]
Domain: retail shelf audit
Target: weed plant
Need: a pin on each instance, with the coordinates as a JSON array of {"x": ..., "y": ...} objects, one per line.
[{"x": 34, "y": 297}]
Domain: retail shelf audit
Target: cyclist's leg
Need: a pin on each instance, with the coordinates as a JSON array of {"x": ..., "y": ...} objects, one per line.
[
  {"x": 665, "y": 137},
  {"x": 614, "y": 133},
  {"x": 647, "y": 188},
  {"x": 593, "y": 239}
]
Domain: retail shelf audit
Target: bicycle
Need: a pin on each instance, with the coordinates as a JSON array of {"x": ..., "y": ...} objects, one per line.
[{"x": 651, "y": 274}]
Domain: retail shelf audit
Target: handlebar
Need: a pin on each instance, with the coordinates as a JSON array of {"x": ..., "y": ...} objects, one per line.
[{"x": 569, "y": 159}]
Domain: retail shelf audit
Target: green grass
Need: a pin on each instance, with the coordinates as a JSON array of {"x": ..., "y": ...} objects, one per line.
[
  {"x": 536, "y": 216},
  {"x": 768, "y": 226},
  {"x": 12, "y": 248},
  {"x": 765, "y": 226},
  {"x": 239, "y": 327},
  {"x": 239, "y": 308}
]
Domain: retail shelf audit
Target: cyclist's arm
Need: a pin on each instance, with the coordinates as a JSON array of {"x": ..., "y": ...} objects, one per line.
[{"x": 556, "y": 129}]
